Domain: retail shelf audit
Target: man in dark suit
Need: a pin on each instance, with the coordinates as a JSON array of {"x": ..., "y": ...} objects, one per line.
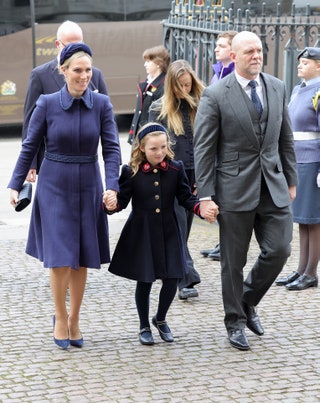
[
  {"x": 245, "y": 161},
  {"x": 46, "y": 79}
]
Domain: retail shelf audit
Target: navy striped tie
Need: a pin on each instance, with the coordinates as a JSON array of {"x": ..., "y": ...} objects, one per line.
[{"x": 255, "y": 97}]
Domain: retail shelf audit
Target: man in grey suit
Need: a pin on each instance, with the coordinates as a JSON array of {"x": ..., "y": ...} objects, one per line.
[
  {"x": 245, "y": 162},
  {"x": 46, "y": 79}
]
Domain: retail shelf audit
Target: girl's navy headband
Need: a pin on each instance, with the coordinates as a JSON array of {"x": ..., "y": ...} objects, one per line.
[{"x": 150, "y": 129}]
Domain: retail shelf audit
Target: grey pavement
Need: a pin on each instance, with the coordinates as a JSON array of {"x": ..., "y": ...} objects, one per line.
[{"x": 282, "y": 366}]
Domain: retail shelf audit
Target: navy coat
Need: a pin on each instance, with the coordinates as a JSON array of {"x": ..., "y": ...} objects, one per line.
[
  {"x": 151, "y": 246},
  {"x": 68, "y": 225},
  {"x": 46, "y": 79}
]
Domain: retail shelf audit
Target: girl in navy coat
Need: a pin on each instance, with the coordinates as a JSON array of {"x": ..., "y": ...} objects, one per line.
[
  {"x": 151, "y": 245},
  {"x": 68, "y": 229}
]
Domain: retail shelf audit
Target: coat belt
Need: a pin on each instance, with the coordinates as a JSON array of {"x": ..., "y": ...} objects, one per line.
[{"x": 71, "y": 159}]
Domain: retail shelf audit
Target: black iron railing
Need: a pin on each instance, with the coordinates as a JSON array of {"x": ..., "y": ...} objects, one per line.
[{"x": 191, "y": 31}]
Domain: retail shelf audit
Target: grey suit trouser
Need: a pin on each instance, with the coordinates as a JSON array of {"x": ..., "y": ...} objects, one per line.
[{"x": 272, "y": 227}]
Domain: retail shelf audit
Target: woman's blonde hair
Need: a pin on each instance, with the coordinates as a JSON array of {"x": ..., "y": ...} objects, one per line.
[
  {"x": 146, "y": 131},
  {"x": 170, "y": 103}
]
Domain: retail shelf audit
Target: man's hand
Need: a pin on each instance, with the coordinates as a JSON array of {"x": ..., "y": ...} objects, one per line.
[{"x": 209, "y": 210}]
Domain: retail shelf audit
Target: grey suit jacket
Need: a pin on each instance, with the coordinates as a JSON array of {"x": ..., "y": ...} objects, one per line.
[{"x": 229, "y": 159}]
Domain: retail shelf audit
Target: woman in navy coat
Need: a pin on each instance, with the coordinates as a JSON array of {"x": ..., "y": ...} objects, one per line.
[
  {"x": 151, "y": 245},
  {"x": 68, "y": 229}
]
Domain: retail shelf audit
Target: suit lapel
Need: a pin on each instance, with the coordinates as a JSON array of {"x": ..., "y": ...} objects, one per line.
[
  {"x": 273, "y": 107},
  {"x": 234, "y": 95},
  {"x": 57, "y": 77}
]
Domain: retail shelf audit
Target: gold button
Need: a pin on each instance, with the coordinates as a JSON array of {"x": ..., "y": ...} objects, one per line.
[
  {"x": 156, "y": 183},
  {"x": 157, "y": 210},
  {"x": 157, "y": 197},
  {"x": 155, "y": 171}
]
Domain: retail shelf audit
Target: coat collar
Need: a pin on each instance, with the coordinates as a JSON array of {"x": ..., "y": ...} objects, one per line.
[
  {"x": 66, "y": 100},
  {"x": 146, "y": 167}
]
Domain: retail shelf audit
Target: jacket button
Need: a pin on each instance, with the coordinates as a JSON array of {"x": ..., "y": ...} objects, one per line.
[
  {"x": 156, "y": 183},
  {"x": 155, "y": 171},
  {"x": 157, "y": 210},
  {"x": 157, "y": 197}
]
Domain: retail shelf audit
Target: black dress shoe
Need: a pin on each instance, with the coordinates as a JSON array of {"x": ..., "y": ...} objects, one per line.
[
  {"x": 238, "y": 339},
  {"x": 145, "y": 336},
  {"x": 163, "y": 329},
  {"x": 289, "y": 279},
  {"x": 214, "y": 256},
  {"x": 206, "y": 252},
  {"x": 302, "y": 283},
  {"x": 253, "y": 321},
  {"x": 186, "y": 293}
]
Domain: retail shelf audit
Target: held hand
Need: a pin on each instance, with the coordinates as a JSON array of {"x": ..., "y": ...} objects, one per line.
[
  {"x": 209, "y": 210},
  {"x": 32, "y": 175},
  {"x": 14, "y": 195},
  {"x": 110, "y": 199}
]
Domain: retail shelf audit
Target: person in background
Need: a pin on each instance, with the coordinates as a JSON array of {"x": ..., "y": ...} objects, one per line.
[
  {"x": 156, "y": 62},
  {"x": 224, "y": 65},
  {"x": 68, "y": 228},
  {"x": 46, "y": 79},
  {"x": 176, "y": 111},
  {"x": 221, "y": 69},
  {"x": 245, "y": 161},
  {"x": 304, "y": 110},
  {"x": 151, "y": 245}
]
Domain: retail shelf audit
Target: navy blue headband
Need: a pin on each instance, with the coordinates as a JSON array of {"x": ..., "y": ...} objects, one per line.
[
  {"x": 150, "y": 129},
  {"x": 73, "y": 48}
]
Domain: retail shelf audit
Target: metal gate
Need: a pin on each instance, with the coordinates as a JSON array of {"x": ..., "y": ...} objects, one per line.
[{"x": 191, "y": 31}]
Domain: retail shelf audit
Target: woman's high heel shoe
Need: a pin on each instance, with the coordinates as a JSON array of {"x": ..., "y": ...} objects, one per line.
[
  {"x": 62, "y": 343},
  {"x": 77, "y": 343}
]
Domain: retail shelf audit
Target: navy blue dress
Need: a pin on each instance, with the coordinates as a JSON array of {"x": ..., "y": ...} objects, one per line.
[
  {"x": 151, "y": 246},
  {"x": 68, "y": 226}
]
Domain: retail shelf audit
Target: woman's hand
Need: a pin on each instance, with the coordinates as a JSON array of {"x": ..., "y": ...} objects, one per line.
[
  {"x": 110, "y": 199},
  {"x": 14, "y": 197},
  {"x": 292, "y": 192}
]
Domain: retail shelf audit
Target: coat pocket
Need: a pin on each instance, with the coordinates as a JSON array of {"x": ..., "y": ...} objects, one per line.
[{"x": 229, "y": 164}]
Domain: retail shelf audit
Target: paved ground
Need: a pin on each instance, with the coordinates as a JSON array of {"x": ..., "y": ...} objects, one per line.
[{"x": 282, "y": 366}]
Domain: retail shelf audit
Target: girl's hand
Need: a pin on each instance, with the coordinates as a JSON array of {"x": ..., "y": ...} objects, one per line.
[{"x": 110, "y": 199}]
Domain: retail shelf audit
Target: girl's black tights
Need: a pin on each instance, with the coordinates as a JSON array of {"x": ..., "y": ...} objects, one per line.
[{"x": 166, "y": 296}]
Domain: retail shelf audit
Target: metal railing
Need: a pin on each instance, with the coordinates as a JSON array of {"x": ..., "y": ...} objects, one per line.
[{"x": 191, "y": 32}]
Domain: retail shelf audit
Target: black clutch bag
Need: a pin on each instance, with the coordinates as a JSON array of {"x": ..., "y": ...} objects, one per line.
[{"x": 25, "y": 196}]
